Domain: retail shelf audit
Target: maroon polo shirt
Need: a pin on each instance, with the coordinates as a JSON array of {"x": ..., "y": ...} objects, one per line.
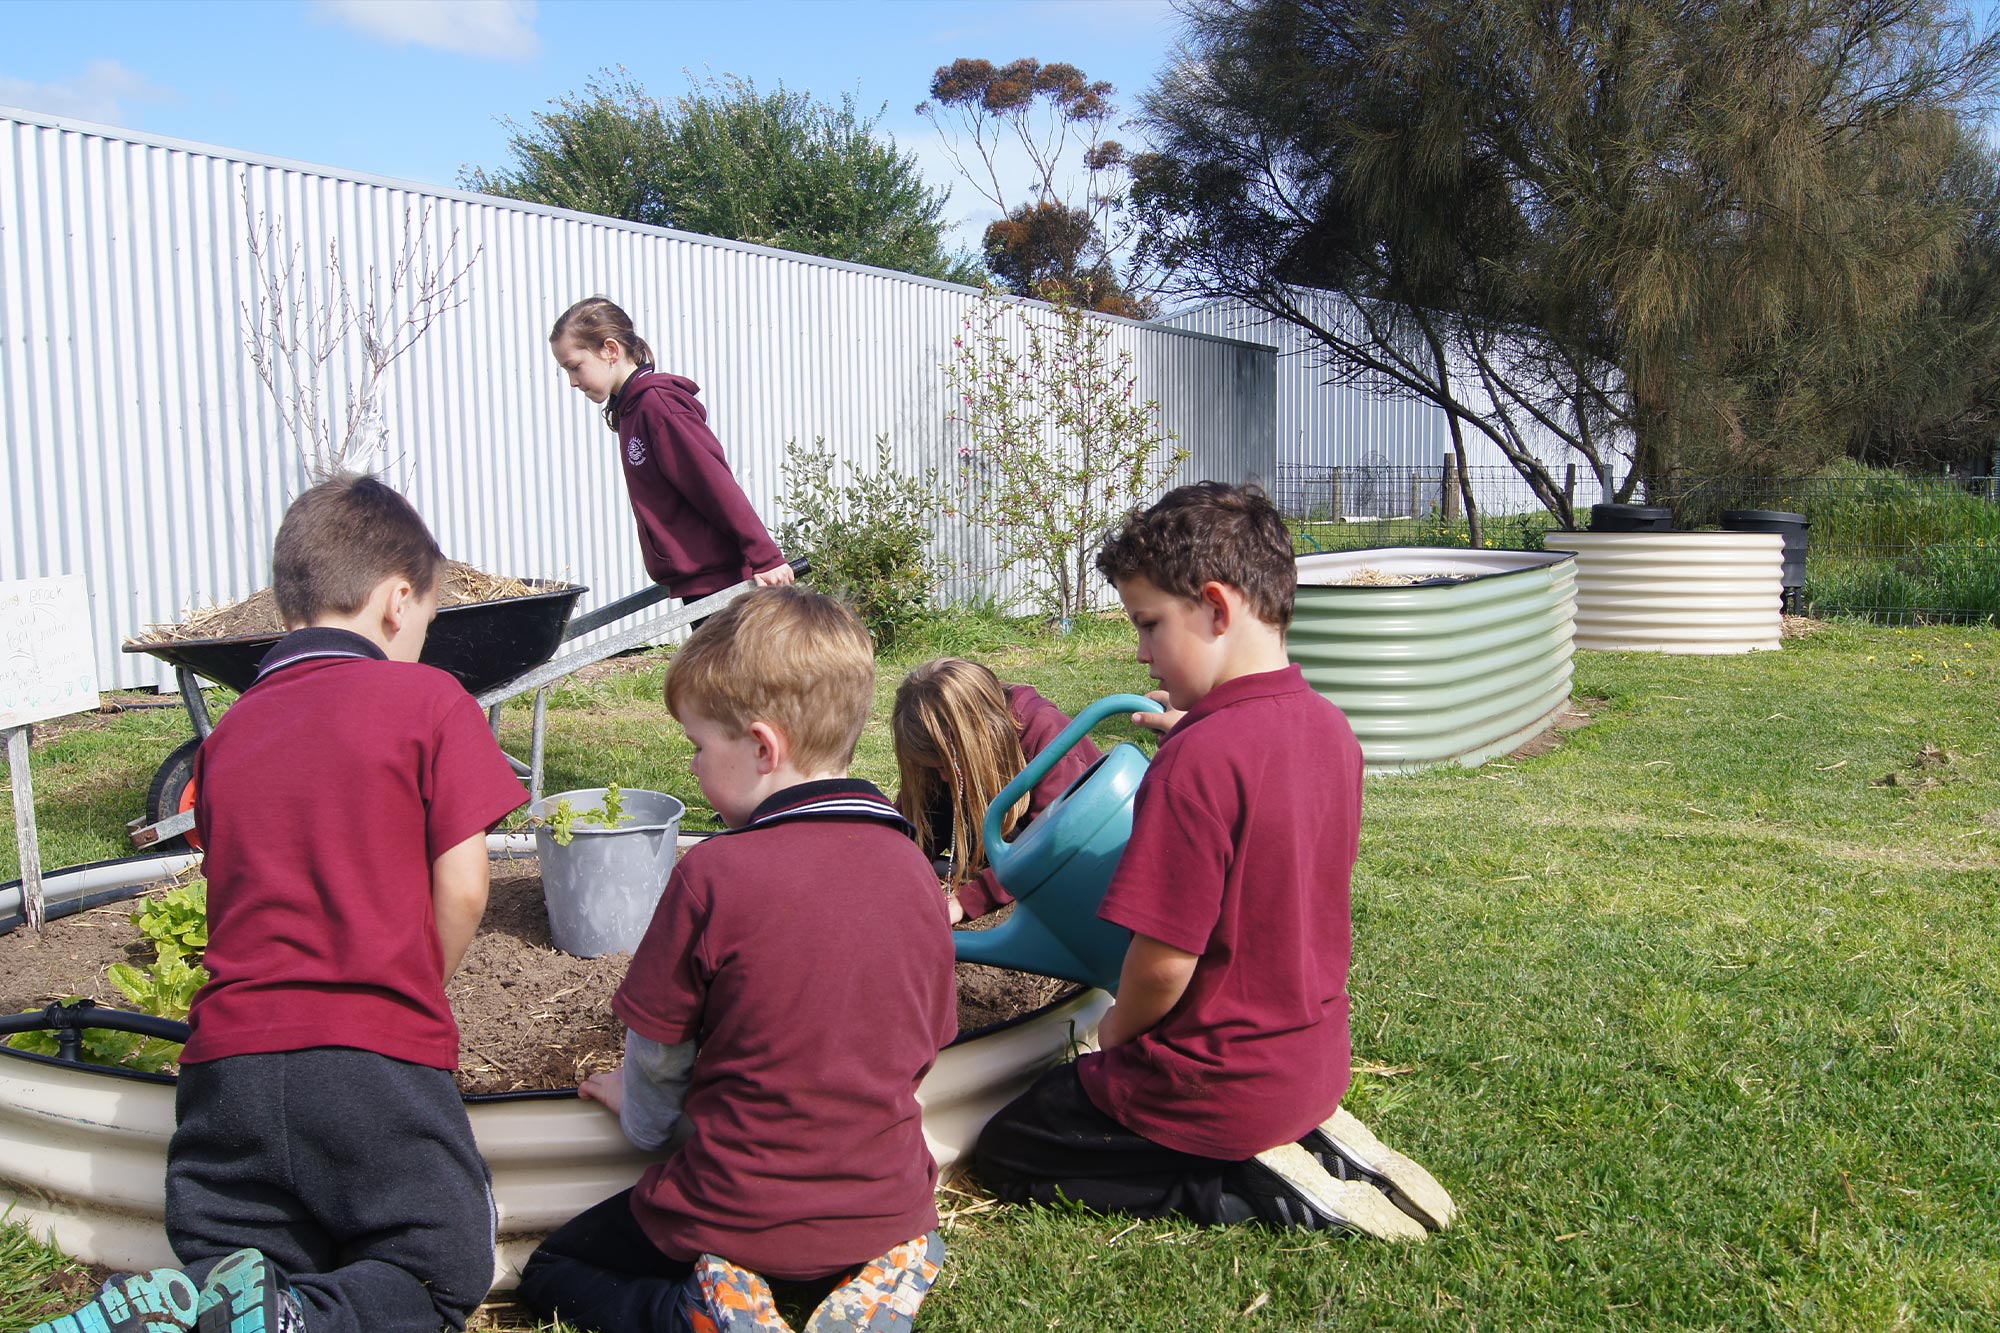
[
  {"x": 1040, "y": 722},
  {"x": 322, "y": 797},
  {"x": 697, "y": 530},
  {"x": 1244, "y": 835},
  {"x": 809, "y": 956}
]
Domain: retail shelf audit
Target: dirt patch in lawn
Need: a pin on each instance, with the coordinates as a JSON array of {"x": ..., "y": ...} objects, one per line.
[
  {"x": 1575, "y": 715},
  {"x": 529, "y": 1016},
  {"x": 1799, "y": 627}
]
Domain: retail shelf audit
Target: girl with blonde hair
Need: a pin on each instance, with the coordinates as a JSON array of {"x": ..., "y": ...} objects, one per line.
[{"x": 960, "y": 737}]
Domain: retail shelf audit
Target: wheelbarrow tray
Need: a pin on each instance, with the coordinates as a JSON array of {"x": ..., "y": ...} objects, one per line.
[{"x": 482, "y": 643}]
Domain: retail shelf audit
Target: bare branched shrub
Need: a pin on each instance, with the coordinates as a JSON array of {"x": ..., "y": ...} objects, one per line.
[{"x": 322, "y": 336}]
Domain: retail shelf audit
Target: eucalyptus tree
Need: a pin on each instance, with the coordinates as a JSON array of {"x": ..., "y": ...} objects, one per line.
[
  {"x": 778, "y": 168},
  {"x": 1031, "y": 139},
  {"x": 1688, "y": 227}
]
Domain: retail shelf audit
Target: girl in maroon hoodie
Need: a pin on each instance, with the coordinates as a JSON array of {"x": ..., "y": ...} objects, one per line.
[{"x": 697, "y": 530}]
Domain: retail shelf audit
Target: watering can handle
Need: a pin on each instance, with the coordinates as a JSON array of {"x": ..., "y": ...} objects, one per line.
[{"x": 1038, "y": 768}]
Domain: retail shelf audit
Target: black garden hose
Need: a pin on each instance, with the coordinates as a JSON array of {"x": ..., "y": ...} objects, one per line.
[{"x": 70, "y": 1020}]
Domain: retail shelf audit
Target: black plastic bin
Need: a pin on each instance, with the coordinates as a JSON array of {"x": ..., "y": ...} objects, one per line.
[
  {"x": 1792, "y": 527},
  {"x": 1631, "y": 518}
]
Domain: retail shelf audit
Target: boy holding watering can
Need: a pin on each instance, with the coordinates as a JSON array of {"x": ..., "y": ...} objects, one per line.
[
  {"x": 1216, "y": 1095},
  {"x": 322, "y": 1176},
  {"x": 794, "y": 987}
]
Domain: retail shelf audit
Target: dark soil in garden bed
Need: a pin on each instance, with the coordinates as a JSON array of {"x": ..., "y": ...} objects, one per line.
[{"x": 529, "y": 1017}]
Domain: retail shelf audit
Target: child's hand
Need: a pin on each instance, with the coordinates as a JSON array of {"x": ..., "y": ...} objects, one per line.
[
  {"x": 1160, "y": 722},
  {"x": 952, "y": 904},
  {"x": 608, "y": 1088},
  {"x": 775, "y": 576}
]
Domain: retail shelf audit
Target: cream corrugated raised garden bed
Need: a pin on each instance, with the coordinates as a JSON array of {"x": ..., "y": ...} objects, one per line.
[
  {"x": 83, "y": 1147},
  {"x": 1677, "y": 592}
]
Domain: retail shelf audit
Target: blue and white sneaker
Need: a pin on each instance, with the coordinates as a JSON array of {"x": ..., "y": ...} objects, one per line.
[
  {"x": 162, "y": 1301},
  {"x": 246, "y": 1294}
]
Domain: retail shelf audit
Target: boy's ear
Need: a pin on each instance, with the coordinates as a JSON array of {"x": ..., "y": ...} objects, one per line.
[
  {"x": 1215, "y": 598},
  {"x": 773, "y": 747},
  {"x": 396, "y": 609}
]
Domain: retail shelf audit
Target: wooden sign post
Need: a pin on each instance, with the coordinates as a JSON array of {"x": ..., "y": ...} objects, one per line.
[{"x": 47, "y": 669}]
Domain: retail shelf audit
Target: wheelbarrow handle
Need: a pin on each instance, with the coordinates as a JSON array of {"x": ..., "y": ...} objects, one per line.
[{"x": 599, "y": 617}]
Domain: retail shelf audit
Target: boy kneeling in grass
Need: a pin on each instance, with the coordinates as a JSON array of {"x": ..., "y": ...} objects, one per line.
[
  {"x": 1216, "y": 1095},
  {"x": 794, "y": 987}
]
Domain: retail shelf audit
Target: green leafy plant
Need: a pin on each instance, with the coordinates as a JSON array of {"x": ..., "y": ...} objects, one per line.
[
  {"x": 562, "y": 821},
  {"x": 869, "y": 538},
  {"x": 1059, "y": 443},
  {"x": 177, "y": 919},
  {"x": 165, "y": 989},
  {"x": 176, "y": 922}
]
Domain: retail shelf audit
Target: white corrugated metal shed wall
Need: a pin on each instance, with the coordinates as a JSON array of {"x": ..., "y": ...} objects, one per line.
[
  {"x": 1323, "y": 425},
  {"x": 142, "y": 452}
]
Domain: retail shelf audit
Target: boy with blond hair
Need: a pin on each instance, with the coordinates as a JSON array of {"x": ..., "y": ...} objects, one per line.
[
  {"x": 794, "y": 987},
  {"x": 1216, "y": 1094}
]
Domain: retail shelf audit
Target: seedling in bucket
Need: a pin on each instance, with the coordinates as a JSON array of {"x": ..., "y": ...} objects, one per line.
[
  {"x": 562, "y": 820},
  {"x": 606, "y": 853}
]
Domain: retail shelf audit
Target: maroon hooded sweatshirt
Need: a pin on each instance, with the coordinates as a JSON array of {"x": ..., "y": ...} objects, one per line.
[{"x": 697, "y": 530}]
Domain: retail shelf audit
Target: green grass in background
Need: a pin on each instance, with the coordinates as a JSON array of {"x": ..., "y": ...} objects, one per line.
[{"x": 1696, "y": 1015}]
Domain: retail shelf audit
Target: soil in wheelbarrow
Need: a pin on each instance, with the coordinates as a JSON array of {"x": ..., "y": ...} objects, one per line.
[
  {"x": 529, "y": 1017},
  {"x": 460, "y": 585}
]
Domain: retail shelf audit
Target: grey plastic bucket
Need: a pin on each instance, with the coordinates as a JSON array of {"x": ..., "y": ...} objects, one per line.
[{"x": 602, "y": 888}]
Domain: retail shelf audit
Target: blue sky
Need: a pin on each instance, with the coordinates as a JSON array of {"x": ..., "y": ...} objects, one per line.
[{"x": 415, "y": 89}]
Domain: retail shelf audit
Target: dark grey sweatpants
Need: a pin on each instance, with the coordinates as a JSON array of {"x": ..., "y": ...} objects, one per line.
[{"x": 355, "y": 1174}]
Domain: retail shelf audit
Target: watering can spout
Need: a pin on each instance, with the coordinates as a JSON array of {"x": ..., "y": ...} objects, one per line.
[
  {"x": 1059, "y": 867},
  {"x": 1021, "y": 935}
]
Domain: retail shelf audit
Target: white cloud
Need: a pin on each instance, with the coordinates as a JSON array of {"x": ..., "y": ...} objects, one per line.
[
  {"x": 500, "y": 29},
  {"x": 105, "y": 91}
]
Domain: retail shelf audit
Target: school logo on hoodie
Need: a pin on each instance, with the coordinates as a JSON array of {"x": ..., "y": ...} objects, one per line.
[{"x": 635, "y": 451}]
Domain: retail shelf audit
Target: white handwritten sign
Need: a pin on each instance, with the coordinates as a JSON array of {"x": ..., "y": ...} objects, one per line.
[{"x": 47, "y": 668}]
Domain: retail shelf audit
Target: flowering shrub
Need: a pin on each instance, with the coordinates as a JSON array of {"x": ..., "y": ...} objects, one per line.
[{"x": 1058, "y": 443}]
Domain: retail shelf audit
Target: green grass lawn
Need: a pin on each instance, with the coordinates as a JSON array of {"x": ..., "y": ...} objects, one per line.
[{"x": 1697, "y": 1016}]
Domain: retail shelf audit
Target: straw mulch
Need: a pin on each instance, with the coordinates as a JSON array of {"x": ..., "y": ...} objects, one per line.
[
  {"x": 258, "y": 613},
  {"x": 1376, "y": 578}
]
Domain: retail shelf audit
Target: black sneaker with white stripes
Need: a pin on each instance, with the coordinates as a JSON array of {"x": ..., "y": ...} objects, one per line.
[{"x": 1285, "y": 1187}]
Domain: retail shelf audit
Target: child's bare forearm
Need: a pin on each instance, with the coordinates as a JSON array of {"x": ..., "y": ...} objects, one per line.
[
  {"x": 1150, "y": 984},
  {"x": 458, "y": 898}
]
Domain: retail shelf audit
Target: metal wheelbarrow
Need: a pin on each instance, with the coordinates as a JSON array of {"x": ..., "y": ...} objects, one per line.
[{"x": 497, "y": 649}]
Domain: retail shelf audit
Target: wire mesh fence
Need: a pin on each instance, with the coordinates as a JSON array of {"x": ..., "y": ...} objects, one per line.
[{"x": 1883, "y": 546}]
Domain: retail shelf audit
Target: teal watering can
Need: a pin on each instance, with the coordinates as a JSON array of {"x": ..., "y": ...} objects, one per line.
[{"x": 1060, "y": 866}]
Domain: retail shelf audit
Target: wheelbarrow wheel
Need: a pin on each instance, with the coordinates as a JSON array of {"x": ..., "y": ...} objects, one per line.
[{"x": 172, "y": 791}]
